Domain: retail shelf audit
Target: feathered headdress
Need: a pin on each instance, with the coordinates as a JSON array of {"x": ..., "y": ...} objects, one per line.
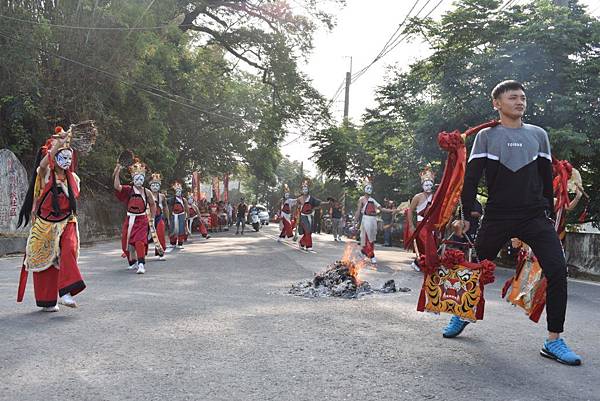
[
  {"x": 156, "y": 177},
  {"x": 575, "y": 181},
  {"x": 427, "y": 175},
  {"x": 138, "y": 167},
  {"x": 366, "y": 181},
  {"x": 176, "y": 185}
]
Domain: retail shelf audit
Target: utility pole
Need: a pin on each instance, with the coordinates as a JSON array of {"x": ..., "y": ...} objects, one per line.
[{"x": 347, "y": 96}]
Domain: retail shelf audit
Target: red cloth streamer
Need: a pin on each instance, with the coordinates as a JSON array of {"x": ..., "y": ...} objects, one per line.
[
  {"x": 226, "y": 188},
  {"x": 448, "y": 192}
]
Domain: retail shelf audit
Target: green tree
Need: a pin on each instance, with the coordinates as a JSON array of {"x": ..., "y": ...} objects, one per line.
[
  {"x": 553, "y": 50},
  {"x": 170, "y": 90}
]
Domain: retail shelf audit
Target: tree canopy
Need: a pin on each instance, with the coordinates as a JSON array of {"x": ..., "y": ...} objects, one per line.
[
  {"x": 553, "y": 50},
  {"x": 204, "y": 85}
]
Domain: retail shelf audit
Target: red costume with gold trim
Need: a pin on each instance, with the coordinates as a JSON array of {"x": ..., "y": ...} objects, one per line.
[{"x": 53, "y": 244}]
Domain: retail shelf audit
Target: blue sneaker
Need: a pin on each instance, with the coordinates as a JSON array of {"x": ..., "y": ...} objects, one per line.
[
  {"x": 455, "y": 327},
  {"x": 560, "y": 352}
]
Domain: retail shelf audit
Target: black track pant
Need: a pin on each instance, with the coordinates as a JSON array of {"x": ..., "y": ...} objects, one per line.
[{"x": 539, "y": 233}]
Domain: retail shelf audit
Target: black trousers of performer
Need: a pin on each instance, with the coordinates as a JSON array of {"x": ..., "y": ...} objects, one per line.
[{"x": 538, "y": 232}]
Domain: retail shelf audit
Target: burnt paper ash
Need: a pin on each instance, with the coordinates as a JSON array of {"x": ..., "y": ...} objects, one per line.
[{"x": 339, "y": 280}]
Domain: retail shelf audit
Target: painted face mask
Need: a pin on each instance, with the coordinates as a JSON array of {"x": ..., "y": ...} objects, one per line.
[
  {"x": 138, "y": 179},
  {"x": 428, "y": 186},
  {"x": 286, "y": 195},
  {"x": 155, "y": 186},
  {"x": 178, "y": 192},
  {"x": 368, "y": 189},
  {"x": 64, "y": 158},
  {"x": 305, "y": 190}
]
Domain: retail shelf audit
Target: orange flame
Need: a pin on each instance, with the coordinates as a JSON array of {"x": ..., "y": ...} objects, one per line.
[{"x": 354, "y": 259}]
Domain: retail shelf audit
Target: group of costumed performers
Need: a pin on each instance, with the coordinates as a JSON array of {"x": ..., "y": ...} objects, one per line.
[
  {"x": 298, "y": 214},
  {"x": 140, "y": 206},
  {"x": 52, "y": 247},
  {"x": 517, "y": 163},
  {"x": 177, "y": 212},
  {"x": 367, "y": 209}
]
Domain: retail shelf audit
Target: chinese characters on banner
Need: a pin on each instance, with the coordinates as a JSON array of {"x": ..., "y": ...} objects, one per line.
[{"x": 13, "y": 185}]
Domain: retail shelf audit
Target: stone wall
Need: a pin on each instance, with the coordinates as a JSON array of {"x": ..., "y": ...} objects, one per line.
[
  {"x": 100, "y": 215},
  {"x": 583, "y": 254}
]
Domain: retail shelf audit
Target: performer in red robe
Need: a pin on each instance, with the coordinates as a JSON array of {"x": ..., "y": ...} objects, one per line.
[
  {"x": 307, "y": 204},
  {"x": 134, "y": 235},
  {"x": 286, "y": 222},
  {"x": 204, "y": 218},
  {"x": 162, "y": 211},
  {"x": 418, "y": 207},
  {"x": 192, "y": 215},
  {"x": 53, "y": 244},
  {"x": 367, "y": 209},
  {"x": 214, "y": 217},
  {"x": 179, "y": 214}
]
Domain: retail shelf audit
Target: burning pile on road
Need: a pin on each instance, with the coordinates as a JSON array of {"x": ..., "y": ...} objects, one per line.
[{"x": 340, "y": 279}]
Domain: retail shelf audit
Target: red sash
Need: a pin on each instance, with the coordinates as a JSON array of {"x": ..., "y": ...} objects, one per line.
[
  {"x": 136, "y": 203},
  {"x": 370, "y": 209},
  {"x": 307, "y": 208},
  {"x": 178, "y": 207}
]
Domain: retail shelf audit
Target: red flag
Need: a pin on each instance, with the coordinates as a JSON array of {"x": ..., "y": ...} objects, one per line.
[
  {"x": 196, "y": 185},
  {"x": 226, "y": 188}
]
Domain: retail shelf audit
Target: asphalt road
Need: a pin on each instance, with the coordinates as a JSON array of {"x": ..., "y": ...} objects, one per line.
[{"x": 215, "y": 322}]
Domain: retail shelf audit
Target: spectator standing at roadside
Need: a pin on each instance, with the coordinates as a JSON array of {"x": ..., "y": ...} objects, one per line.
[
  {"x": 242, "y": 209},
  {"x": 336, "y": 211},
  {"x": 387, "y": 219}
]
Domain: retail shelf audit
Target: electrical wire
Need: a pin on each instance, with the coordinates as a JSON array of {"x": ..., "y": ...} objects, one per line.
[
  {"x": 94, "y": 28},
  {"x": 391, "y": 46},
  {"x": 329, "y": 103},
  {"x": 391, "y": 39},
  {"x": 406, "y": 36}
]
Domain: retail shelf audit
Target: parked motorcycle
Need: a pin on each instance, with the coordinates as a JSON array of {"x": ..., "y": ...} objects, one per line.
[{"x": 254, "y": 220}]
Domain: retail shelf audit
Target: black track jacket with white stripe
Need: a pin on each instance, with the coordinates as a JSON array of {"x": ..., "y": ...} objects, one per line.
[{"x": 518, "y": 172}]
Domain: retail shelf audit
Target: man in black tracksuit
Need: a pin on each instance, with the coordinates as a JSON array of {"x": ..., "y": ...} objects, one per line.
[{"x": 517, "y": 163}]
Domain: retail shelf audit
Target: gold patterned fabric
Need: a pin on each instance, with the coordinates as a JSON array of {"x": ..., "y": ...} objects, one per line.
[{"x": 43, "y": 244}]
